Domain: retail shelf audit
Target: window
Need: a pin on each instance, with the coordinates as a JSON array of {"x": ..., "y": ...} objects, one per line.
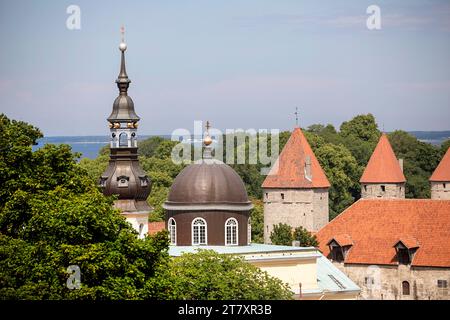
[
  {"x": 282, "y": 196},
  {"x": 267, "y": 195},
  {"x": 172, "y": 226},
  {"x": 337, "y": 254},
  {"x": 383, "y": 188},
  {"x": 442, "y": 284},
  {"x": 122, "y": 181},
  {"x": 365, "y": 187},
  {"x": 199, "y": 232},
  {"x": 231, "y": 232},
  {"x": 403, "y": 256},
  {"x": 123, "y": 140},
  {"x": 141, "y": 227},
  {"x": 444, "y": 185},
  {"x": 405, "y": 288}
]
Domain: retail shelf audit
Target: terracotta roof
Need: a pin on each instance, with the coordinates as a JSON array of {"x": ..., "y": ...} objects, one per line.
[
  {"x": 154, "y": 227},
  {"x": 342, "y": 239},
  {"x": 291, "y": 166},
  {"x": 409, "y": 242},
  {"x": 383, "y": 166},
  {"x": 442, "y": 172},
  {"x": 375, "y": 226}
]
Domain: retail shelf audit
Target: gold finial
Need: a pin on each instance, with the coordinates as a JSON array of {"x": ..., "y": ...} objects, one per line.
[{"x": 207, "y": 140}]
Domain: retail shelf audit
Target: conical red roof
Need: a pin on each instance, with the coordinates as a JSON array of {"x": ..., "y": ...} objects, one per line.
[
  {"x": 442, "y": 172},
  {"x": 383, "y": 166},
  {"x": 291, "y": 166}
]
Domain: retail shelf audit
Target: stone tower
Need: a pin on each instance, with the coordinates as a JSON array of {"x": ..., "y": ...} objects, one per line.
[
  {"x": 124, "y": 176},
  {"x": 440, "y": 180},
  {"x": 296, "y": 190},
  {"x": 383, "y": 176}
]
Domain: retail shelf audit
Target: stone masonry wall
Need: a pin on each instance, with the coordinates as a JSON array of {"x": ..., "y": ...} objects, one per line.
[
  {"x": 300, "y": 207},
  {"x": 440, "y": 190},
  {"x": 374, "y": 191},
  {"x": 380, "y": 282}
]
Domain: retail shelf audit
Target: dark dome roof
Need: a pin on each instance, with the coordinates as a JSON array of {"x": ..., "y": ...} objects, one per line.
[
  {"x": 123, "y": 109},
  {"x": 208, "y": 184}
]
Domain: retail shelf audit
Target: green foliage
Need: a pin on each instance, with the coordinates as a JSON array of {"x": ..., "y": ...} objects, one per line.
[
  {"x": 305, "y": 237},
  {"x": 147, "y": 147},
  {"x": 257, "y": 221},
  {"x": 207, "y": 275},
  {"x": 420, "y": 160},
  {"x": 363, "y": 127},
  {"x": 444, "y": 146},
  {"x": 52, "y": 216},
  {"x": 281, "y": 234}
]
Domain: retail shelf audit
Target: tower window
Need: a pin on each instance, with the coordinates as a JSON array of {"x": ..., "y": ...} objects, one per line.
[
  {"x": 282, "y": 196},
  {"x": 199, "y": 232},
  {"x": 442, "y": 284},
  {"x": 444, "y": 185},
  {"x": 123, "y": 140},
  {"x": 172, "y": 231},
  {"x": 365, "y": 187},
  {"x": 267, "y": 195},
  {"x": 122, "y": 181},
  {"x": 141, "y": 228},
  {"x": 383, "y": 188},
  {"x": 405, "y": 288},
  {"x": 231, "y": 232}
]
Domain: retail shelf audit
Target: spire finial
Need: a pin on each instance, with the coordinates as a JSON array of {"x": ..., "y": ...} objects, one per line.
[
  {"x": 296, "y": 116},
  {"x": 207, "y": 142},
  {"x": 123, "y": 81}
]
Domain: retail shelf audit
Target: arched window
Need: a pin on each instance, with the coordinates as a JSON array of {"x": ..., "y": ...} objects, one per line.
[
  {"x": 231, "y": 232},
  {"x": 405, "y": 288},
  {"x": 199, "y": 232},
  {"x": 172, "y": 231},
  {"x": 123, "y": 140}
]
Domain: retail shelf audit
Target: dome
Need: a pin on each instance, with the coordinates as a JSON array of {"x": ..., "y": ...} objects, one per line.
[
  {"x": 123, "y": 109},
  {"x": 208, "y": 185}
]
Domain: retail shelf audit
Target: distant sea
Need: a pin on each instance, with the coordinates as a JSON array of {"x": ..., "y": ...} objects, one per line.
[{"x": 89, "y": 146}]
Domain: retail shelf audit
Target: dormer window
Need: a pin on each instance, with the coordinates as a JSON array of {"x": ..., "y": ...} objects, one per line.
[
  {"x": 122, "y": 181},
  {"x": 406, "y": 250},
  {"x": 144, "y": 181},
  {"x": 339, "y": 247},
  {"x": 103, "y": 181}
]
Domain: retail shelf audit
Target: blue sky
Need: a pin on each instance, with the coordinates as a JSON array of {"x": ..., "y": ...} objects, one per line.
[{"x": 240, "y": 64}]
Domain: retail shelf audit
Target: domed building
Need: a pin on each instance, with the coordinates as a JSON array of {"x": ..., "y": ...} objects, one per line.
[{"x": 208, "y": 205}]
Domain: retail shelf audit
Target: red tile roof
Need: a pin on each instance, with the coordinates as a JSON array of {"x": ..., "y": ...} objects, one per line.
[
  {"x": 383, "y": 166},
  {"x": 154, "y": 227},
  {"x": 375, "y": 226},
  {"x": 442, "y": 172},
  {"x": 342, "y": 239},
  {"x": 291, "y": 166}
]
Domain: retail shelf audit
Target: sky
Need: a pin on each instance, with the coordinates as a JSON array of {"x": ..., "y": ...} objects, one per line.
[{"x": 237, "y": 63}]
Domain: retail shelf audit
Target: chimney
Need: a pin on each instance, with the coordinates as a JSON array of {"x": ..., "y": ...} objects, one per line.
[
  {"x": 400, "y": 162},
  {"x": 308, "y": 173}
]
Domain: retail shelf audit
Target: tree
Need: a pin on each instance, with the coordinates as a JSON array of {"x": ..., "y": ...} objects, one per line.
[
  {"x": 207, "y": 275},
  {"x": 305, "y": 237},
  {"x": 281, "y": 235},
  {"x": 52, "y": 216},
  {"x": 257, "y": 221},
  {"x": 148, "y": 146},
  {"x": 363, "y": 127}
]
